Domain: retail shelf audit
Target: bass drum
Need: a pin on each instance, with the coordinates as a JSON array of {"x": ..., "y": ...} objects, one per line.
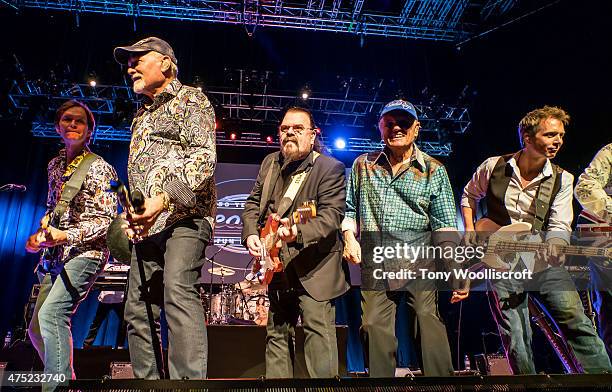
[
  {"x": 251, "y": 306},
  {"x": 218, "y": 308}
]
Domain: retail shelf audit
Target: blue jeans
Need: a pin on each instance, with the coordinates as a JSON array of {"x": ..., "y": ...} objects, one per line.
[
  {"x": 60, "y": 293},
  {"x": 171, "y": 262},
  {"x": 554, "y": 290}
]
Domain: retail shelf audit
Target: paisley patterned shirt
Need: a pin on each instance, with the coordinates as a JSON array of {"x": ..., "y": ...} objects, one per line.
[
  {"x": 173, "y": 150},
  {"x": 90, "y": 212},
  {"x": 594, "y": 187}
]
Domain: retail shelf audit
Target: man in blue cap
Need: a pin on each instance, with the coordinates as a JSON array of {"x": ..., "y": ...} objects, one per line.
[{"x": 396, "y": 193}]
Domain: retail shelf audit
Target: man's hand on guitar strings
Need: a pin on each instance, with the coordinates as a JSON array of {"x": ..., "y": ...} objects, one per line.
[
  {"x": 287, "y": 233},
  {"x": 551, "y": 254},
  {"x": 459, "y": 295},
  {"x": 33, "y": 242},
  {"x": 52, "y": 237},
  {"x": 254, "y": 245},
  {"x": 45, "y": 238},
  {"x": 470, "y": 238}
]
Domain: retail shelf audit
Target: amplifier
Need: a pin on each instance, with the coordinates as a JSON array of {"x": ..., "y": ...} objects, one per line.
[
  {"x": 121, "y": 370},
  {"x": 493, "y": 364}
]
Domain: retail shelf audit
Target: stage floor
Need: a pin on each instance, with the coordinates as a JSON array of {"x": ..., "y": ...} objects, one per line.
[{"x": 465, "y": 383}]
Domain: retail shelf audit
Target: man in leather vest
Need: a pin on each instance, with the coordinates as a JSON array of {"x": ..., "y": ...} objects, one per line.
[
  {"x": 510, "y": 185},
  {"x": 311, "y": 252}
]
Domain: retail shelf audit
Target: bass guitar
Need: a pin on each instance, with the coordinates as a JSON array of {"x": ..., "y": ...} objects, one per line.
[{"x": 501, "y": 240}]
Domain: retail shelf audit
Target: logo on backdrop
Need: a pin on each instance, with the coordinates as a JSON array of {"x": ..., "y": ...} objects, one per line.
[{"x": 231, "y": 196}]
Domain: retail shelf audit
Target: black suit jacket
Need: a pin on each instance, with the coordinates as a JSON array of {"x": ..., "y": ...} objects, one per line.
[{"x": 317, "y": 258}]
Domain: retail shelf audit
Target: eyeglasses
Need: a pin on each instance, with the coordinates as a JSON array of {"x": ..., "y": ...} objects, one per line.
[
  {"x": 297, "y": 129},
  {"x": 403, "y": 124}
]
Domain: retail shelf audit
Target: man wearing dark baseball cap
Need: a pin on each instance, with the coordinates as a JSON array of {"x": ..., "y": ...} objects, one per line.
[
  {"x": 406, "y": 194},
  {"x": 122, "y": 53},
  {"x": 171, "y": 161}
]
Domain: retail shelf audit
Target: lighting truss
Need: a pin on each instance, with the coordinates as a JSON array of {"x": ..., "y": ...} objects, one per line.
[
  {"x": 356, "y": 145},
  {"x": 243, "y": 107},
  {"x": 423, "y": 19}
]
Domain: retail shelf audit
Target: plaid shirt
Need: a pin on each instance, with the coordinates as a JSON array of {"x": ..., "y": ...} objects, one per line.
[
  {"x": 418, "y": 198},
  {"x": 173, "y": 150}
]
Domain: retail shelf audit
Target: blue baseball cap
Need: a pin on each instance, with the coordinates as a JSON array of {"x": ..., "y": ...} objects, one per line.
[{"x": 399, "y": 104}]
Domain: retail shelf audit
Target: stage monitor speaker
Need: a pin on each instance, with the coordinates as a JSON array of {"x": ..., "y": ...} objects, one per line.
[
  {"x": 493, "y": 364},
  {"x": 121, "y": 370}
]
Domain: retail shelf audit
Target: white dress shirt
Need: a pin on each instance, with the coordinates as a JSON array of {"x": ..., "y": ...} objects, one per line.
[{"x": 519, "y": 201}]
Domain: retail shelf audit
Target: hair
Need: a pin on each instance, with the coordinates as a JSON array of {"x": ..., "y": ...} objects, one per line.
[
  {"x": 91, "y": 122},
  {"x": 318, "y": 145},
  {"x": 531, "y": 122},
  {"x": 173, "y": 70},
  {"x": 302, "y": 109}
]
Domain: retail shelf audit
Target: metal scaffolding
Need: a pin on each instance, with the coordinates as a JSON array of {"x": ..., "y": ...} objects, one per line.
[
  {"x": 110, "y": 104},
  {"x": 440, "y": 20}
]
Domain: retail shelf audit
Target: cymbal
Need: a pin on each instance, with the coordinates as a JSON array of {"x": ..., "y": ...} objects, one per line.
[{"x": 221, "y": 271}]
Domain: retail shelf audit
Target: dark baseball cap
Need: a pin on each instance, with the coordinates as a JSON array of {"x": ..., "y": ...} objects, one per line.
[
  {"x": 399, "y": 104},
  {"x": 122, "y": 53}
]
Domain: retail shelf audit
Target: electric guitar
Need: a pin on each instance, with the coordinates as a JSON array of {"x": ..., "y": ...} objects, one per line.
[
  {"x": 269, "y": 262},
  {"x": 49, "y": 257},
  {"x": 501, "y": 240},
  {"x": 117, "y": 241}
]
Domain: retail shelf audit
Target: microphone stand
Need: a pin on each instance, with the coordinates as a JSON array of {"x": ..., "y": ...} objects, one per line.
[{"x": 212, "y": 264}]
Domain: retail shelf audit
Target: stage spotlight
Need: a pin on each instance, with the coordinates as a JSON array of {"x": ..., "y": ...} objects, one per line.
[
  {"x": 305, "y": 92},
  {"x": 92, "y": 78},
  {"x": 340, "y": 144},
  {"x": 233, "y": 136},
  {"x": 268, "y": 139}
]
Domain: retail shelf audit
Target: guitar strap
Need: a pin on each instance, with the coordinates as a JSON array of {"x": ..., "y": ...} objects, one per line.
[
  {"x": 297, "y": 182},
  {"x": 543, "y": 199},
  {"x": 73, "y": 185}
]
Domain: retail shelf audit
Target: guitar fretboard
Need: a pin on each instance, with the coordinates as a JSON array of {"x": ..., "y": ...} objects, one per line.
[{"x": 511, "y": 246}]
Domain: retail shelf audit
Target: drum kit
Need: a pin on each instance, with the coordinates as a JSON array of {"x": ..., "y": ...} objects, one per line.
[{"x": 243, "y": 303}]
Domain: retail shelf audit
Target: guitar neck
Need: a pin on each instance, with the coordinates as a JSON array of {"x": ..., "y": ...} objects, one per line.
[{"x": 511, "y": 246}]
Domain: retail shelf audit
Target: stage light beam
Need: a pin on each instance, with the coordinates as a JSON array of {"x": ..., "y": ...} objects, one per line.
[{"x": 340, "y": 143}]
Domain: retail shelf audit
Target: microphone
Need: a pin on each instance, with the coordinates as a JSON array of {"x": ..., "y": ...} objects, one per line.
[
  {"x": 138, "y": 200},
  {"x": 13, "y": 187}
]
